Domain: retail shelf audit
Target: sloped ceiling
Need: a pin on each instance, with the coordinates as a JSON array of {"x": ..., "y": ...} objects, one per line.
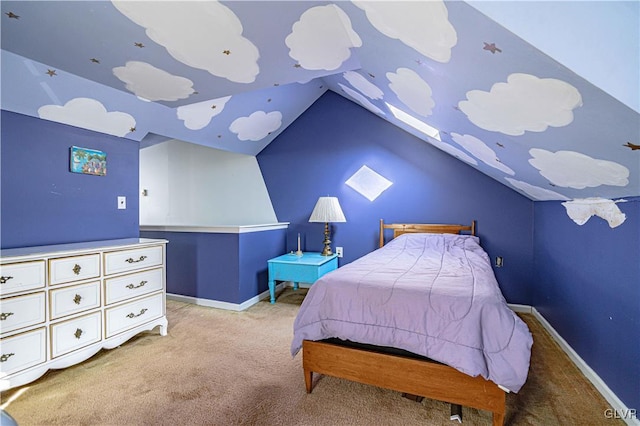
[{"x": 233, "y": 75}]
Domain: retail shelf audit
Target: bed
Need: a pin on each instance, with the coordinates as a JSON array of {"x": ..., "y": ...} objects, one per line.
[{"x": 423, "y": 315}]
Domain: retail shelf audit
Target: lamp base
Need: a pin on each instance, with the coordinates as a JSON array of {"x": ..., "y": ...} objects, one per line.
[{"x": 327, "y": 242}]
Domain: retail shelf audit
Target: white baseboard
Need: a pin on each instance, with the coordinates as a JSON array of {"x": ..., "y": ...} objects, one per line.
[
  {"x": 525, "y": 309},
  {"x": 619, "y": 409},
  {"x": 224, "y": 305}
]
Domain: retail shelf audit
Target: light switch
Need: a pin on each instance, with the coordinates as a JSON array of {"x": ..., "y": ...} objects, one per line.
[{"x": 122, "y": 203}]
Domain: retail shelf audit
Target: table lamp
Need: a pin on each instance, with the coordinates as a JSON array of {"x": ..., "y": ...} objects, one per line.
[{"x": 327, "y": 210}]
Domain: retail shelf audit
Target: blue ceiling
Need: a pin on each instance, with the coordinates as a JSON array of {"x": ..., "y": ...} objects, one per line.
[{"x": 233, "y": 75}]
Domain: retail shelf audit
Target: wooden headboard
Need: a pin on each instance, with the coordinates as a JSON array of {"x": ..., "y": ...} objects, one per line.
[{"x": 430, "y": 228}]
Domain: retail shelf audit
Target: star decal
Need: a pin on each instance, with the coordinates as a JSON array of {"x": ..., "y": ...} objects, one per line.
[
  {"x": 371, "y": 75},
  {"x": 137, "y": 44},
  {"x": 51, "y": 72},
  {"x": 632, "y": 146},
  {"x": 499, "y": 144},
  {"x": 269, "y": 100},
  {"x": 219, "y": 136},
  {"x": 227, "y": 52},
  {"x": 12, "y": 15},
  {"x": 491, "y": 48},
  {"x": 296, "y": 65},
  {"x": 213, "y": 107},
  {"x": 132, "y": 129},
  {"x": 95, "y": 61},
  {"x": 276, "y": 84}
]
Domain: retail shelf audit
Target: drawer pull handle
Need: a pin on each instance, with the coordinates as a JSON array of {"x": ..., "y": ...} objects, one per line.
[
  {"x": 4, "y": 279},
  {"x": 76, "y": 269},
  {"x": 78, "y": 333},
  {"x": 131, "y": 286},
  {"x": 77, "y": 299},
  {"x": 5, "y": 315},
  {"x": 131, "y": 260},
  {"x": 5, "y": 357},
  {"x": 132, "y": 315}
]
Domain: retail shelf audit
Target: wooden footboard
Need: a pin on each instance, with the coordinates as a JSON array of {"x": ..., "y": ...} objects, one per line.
[{"x": 402, "y": 374}]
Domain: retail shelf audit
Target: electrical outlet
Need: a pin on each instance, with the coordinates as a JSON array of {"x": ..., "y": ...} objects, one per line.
[
  {"x": 339, "y": 251},
  {"x": 499, "y": 262},
  {"x": 122, "y": 203}
]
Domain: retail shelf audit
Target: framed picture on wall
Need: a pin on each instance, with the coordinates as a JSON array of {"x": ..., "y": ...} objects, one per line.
[{"x": 87, "y": 161}]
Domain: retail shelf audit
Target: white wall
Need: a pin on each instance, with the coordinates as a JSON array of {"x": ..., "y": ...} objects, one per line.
[{"x": 192, "y": 185}]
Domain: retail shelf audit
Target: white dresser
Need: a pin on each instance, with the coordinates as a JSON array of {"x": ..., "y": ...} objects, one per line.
[{"x": 61, "y": 304}]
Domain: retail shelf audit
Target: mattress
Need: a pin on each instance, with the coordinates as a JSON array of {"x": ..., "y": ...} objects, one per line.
[{"x": 434, "y": 295}]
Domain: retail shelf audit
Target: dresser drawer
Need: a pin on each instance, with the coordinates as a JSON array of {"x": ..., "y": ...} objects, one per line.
[
  {"x": 22, "y": 311},
  {"x": 133, "y": 285},
  {"x": 131, "y": 260},
  {"x": 67, "y": 269},
  {"x": 70, "y": 300},
  {"x": 76, "y": 333},
  {"x": 15, "y": 277},
  {"x": 129, "y": 315},
  {"x": 23, "y": 351}
]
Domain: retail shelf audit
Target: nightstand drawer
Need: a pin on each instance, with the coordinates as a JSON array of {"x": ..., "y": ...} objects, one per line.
[
  {"x": 74, "y": 299},
  {"x": 15, "y": 277},
  {"x": 76, "y": 268},
  {"x": 76, "y": 333},
  {"x": 130, "y": 315},
  {"x": 22, "y": 311},
  {"x": 23, "y": 351},
  {"x": 131, "y": 260},
  {"x": 133, "y": 285}
]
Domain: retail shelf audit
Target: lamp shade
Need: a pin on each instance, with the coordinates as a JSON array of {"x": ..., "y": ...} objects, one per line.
[{"x": 327, "y": 209}]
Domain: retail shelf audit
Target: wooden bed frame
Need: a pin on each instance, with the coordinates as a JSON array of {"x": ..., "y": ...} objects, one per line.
[{"x": 403, "y": 373}]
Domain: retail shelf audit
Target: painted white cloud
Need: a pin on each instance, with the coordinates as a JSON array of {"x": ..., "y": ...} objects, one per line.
[
  {"x": 412, "y": 90},
  {"x": 153, "y": 84},
  {"x": 423, "y": 26},
  {"x": 256, "y": 126},
  {"x": 536, "y": 192},
  {"x": 198, "y": 35},
  {"x": 89, "y": 114},
  {"x": 322, "y": 39},
  {"x": 572, "y": 169},
  {"x": 363, "y": 85},
  {"x": 581, "y": 210},
  {"x": 481, "y": 151},
  {"x": 524, "y": 103},
  {"x": 361, "y": 99},
  {"x": 198, "y": 116}
]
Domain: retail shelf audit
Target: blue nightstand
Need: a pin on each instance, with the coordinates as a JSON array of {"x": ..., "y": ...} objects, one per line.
[{"x": 299, "y": 269}]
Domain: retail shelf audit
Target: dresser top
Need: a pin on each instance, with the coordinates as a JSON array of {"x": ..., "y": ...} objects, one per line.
[{"x": 71, "y": 248}]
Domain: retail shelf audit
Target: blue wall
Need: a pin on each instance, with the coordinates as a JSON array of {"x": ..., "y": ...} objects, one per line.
[
  {"x": 224, "y": 267},
  {"x": 43, "y": 203},
  {"x": 328, "y": 143},
  {"x": 588, "y": 288}
]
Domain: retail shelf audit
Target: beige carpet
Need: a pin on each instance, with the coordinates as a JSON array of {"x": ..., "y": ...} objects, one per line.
[{"x": 218, "y": 367}]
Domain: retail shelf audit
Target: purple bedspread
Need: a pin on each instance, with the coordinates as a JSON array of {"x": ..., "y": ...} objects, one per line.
[{"x": 431, "y": 294}]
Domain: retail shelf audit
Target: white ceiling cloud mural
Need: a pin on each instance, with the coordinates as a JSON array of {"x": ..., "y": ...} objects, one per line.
[
  {"x": 412, "y": 90},
  {"x": 365, "y": 87},
  {"x": 198, "y": 116},
  {"x": 204, "y": 35},
  {"x": 571, "y": 169},
  {"x": 322, "y": 39},
  {"x": 256, "y": 126},
  {"x": 89, "y": 114},
  {"x": 153, "y": 84},
  {"x": 481, "y": 151},
  {"x": 362, "y": 100},
  {"x": 535, "y": 192},
  {"x": 524, "y": 103},
  {"x": 423, "y": 26},
  {"x": 581, "y": 210}
]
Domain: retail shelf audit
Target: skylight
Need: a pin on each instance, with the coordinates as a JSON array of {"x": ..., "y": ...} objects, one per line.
[{"x": 420, "y": 126}]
